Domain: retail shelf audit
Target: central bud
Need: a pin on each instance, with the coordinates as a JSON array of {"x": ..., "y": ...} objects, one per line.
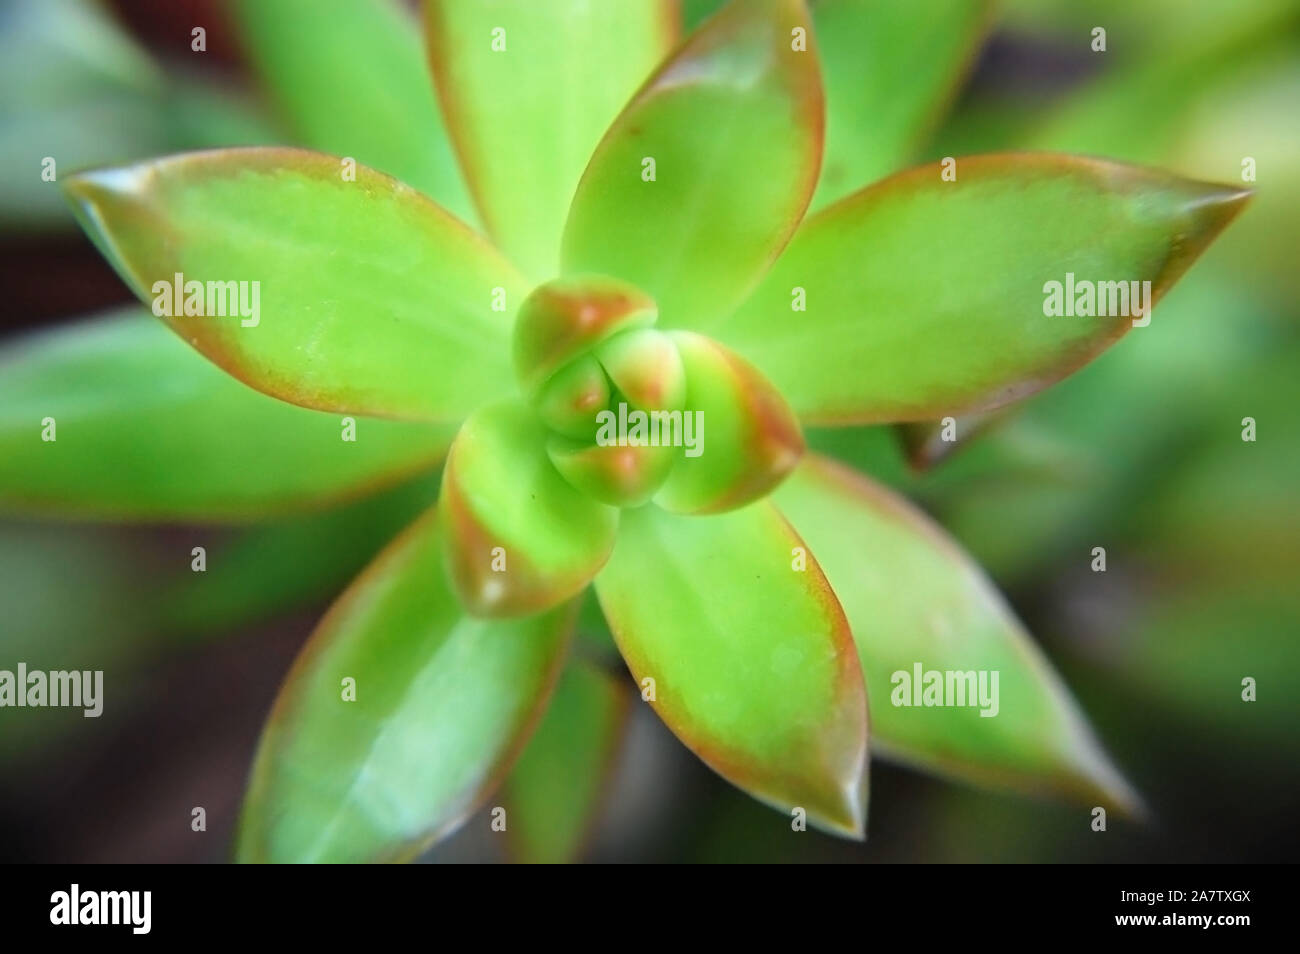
[{"x": 591, "y": 363}]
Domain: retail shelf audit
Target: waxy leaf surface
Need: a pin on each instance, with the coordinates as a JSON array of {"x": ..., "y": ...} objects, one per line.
[
  {"x": 519, "y": 538},
  {"x": 563, "y": 319},
  {"x": 351, "y": 78},
  {"x": 554, "y": 791},
  {"x": 700, "y": 181},
  {"x": 443, "y": 704},
  {"x": 746, "y": 437},
  {"x": 752, "y": 661},
  {"x": 915, "y": 600},
  {"x": 146, "y": 429},
  {"x": 527, "y": 90},
  {"x": 926, "y": 298},
  {"x": 370, "y": 298}
]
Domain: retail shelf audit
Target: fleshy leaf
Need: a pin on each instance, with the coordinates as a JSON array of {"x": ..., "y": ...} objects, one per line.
[
  {"x": 616, "y": 474},
  {"x": 570, "y": 400},
  {"x": 565, "y": 318},
  {"x": 527, "y": 89},
  {"x": 752, "y": 661},
  {"x": 915, "y": 600},
  {"x": 358, "y": 296},
  {"x": 701, "y": 180},
  {"x": 352, "y": 79},
  {"x": 519, "y": 538},
  {"x": 747, "y": 438},
  {"x": 144, "y": 428},
  {"x": 927, "y": 297},
  {"x": 874, "y": 121},
  {"x": 646, "y": 368},
  {"x": 443, "y": 703},
  {"x": 555, "y": 789}
]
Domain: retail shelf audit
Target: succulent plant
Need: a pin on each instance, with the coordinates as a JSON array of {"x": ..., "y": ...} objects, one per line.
[{"x": 677, "y": 233}]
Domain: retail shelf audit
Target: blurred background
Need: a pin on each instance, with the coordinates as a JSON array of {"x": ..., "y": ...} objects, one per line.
[{"x": 1140, "y": 453}]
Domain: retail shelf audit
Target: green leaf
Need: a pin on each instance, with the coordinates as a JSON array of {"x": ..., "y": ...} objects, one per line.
[
  {"x": 1059, "y": 475},
  {"x": 555, "y": 789},
  {"x": 646, "y": 368},
  {"x": 733, "y": 124},
  {"x": 540, "y": 81},
  {"x": 752, "y": 661},
  {"x": 350, "y": 76},
  {"x": 695, "y": 12},
  {"x": 622, "y": 476},
  {"x": 442, "y": 705},
  {"x": 519, "y": 538},
  {"x": 145, "y": 429},
  {"x": 369, "y": 298},
  {"x": 927, "y": 298},
  {"x": 746, "y": 437},
  {"x": 914, "y": 599},
  {"x": 1201, "y": 109},
  {"x": 873, "y": 121},
  {"x": 563, "y": 319}
]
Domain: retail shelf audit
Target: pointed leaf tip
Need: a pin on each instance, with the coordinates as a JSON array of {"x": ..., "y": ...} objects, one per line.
[
  {"x": 1027, "y": 733},
  {"x": 943, "y": 289},
  {"x": 313, "y": 250},
  {"x": 1211, "y": 208},
  {"x": 749, "y": 655}
]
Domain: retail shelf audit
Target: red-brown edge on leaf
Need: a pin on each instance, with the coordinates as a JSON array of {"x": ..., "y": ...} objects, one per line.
[
  {"x": 773, "y": 430},
  {"x": 435, "y": 28},
  {"x": 1228, "y": 202},
  {"x": 888, "y": 503},
  {"x": 809, "y": 104},
  {"x": 404, "y": 544},
  {"x": 528, "y": 589},
  {"x": 455, "y": 122},
  {"x": 735, "y": 766},
  {"x": 235, "y": 161},
  {"x": 575, "y": 314}
]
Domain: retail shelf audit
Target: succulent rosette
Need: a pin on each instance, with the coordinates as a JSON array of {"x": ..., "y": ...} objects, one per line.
[{"x": 667, "y": 256}]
